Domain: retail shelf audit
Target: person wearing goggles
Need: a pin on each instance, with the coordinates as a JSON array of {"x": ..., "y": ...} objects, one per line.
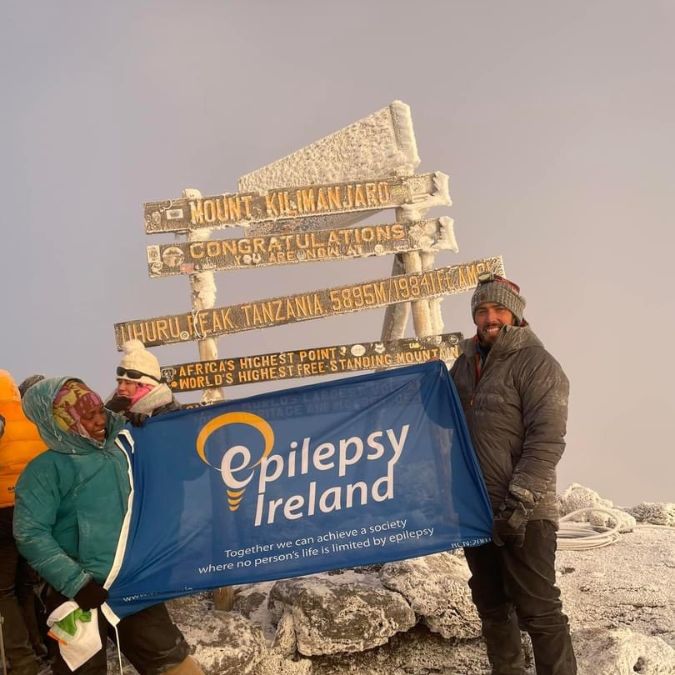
[
  {"x": 140, "y": 392},
  {"x": 514, "y": 395}
]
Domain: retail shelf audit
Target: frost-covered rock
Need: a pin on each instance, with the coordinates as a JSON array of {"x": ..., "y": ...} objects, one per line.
[
  {"x": 275, "y": 664},
  {"x": 251, "y": 601},
  {"x": 340, "y": 613},
  {"x": 655, "y": 513},
  {"x": 417, "y": 651},
  {"x": 224, "y": 643},
  {"x": 615, "y": 652},
  {"x": 578, "y": 497},
  {"x": 625, "y": 521},
  {"x": 436, "y": 586},
  {"x": 285, "y": 642}
]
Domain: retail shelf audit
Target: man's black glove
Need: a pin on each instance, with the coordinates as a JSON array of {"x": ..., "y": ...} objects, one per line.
[
  {"x": 136, "y": 419},
  {"x": 508, "y": 528},
  {"x": 91, "y": 595}
]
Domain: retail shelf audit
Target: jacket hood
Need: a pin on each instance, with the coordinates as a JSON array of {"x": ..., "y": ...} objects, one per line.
[
  {"x": 37, "y": 404},
  {"x": 511, "y": 339}
]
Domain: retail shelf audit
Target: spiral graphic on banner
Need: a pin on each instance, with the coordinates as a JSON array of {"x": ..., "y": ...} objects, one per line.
[{"x": 237, "y": 459}]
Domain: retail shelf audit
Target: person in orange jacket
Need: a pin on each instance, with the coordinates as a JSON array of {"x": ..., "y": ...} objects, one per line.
[{"x": 20, "y": 442}]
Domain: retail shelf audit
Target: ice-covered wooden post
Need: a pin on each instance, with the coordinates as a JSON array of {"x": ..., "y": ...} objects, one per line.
[
  {"x": 203, "y": 287},
  {"x": 427, "y": 319}
]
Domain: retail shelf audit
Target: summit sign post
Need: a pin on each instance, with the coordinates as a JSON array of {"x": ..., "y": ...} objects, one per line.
[
  {"x": 304, "y": 208},
  {"x": 330, "y": 185}
]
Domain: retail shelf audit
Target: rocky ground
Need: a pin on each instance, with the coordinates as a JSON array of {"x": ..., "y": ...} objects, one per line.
[{"x": 415, "y": 617}]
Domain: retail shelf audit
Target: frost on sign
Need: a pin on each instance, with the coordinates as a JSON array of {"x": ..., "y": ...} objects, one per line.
[
  {"x": 381, "y": 144},
  {"x": 306, "y": 306},
  {"x": 310, "y": 362},
  {"x": 358, "y": 241},
  {"x": 289, "y": 203}
]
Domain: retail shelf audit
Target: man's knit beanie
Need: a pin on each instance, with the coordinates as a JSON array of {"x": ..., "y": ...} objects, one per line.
[
  {"x": 500, "y": 291},
  {"x": 139, "y": 361}
]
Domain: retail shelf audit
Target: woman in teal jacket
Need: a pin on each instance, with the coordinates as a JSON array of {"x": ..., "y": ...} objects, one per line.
[
  {"x": 70, "y": 500},
  {"x": 70, "y": 506}
]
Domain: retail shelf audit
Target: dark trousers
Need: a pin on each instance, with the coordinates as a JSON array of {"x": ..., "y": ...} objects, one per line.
[
  {"x": 16, "y": 601},
  {"x": 149, "y": 639},
  {"x": 514, "y": 588}
]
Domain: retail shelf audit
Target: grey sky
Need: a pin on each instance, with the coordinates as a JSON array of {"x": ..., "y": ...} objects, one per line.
[{"x": 553, "y": 120}]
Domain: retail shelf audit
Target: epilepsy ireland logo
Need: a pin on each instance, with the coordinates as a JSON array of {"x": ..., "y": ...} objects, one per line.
[
  {"x": 336, "y": 461},
  {"x": 236, "y": 458}
]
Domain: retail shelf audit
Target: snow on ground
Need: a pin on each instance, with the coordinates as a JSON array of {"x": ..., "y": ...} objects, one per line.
[{"x": 620, "y": 600}]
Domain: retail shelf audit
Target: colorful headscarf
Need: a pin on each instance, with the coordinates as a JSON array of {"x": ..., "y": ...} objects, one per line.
[{"x": 73, "y": 400}]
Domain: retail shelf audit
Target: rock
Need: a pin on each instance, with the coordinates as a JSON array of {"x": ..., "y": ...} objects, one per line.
[
  {"x": 578, "y": 497},
  {"x": 285, "y": 642},
  {"x": 417, "y": 652},
  {"x": 625, "y": 521},
  {"x": 228, "y": 644},
  {"x": 615, "y": 652},
  {"x": 252, "y": 599},
  {"x": 276, "y": 664},
  {"x": 340, "y": 613},
  {"x": 224, "y": 643},
  {"x": 436, "y": 586},
  {"x": 655, "y": 513},
  {"x": 251, "y": 602}
]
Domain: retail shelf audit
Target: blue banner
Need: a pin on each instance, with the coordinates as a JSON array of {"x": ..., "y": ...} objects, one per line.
[{"x": 350, "y": 472}]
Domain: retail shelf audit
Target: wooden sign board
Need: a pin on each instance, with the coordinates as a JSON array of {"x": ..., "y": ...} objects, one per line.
[
  {"x": 336, "y": 244},
  {"x": 305, "y": 306},
  {"x": 310, "y": 362},
  {"x": 243, "y": 209}
]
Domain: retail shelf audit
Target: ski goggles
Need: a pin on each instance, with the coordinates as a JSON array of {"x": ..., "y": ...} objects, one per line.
[{"x": 131, "y": 374}]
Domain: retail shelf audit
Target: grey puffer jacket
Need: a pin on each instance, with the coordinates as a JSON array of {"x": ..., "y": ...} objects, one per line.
[{"x": 517, "y": 415}]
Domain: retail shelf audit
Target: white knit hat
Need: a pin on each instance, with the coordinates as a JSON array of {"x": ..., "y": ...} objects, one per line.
[{"x": 138, "y": 364}]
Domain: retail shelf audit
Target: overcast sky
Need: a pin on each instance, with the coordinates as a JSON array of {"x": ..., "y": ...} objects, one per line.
[{"x": 554, "y": 121}]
